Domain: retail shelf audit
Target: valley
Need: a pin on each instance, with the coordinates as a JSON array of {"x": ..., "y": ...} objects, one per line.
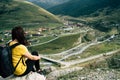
[
  {"x": 79, "y": 42},
  {"x": 62, "y": 59}
]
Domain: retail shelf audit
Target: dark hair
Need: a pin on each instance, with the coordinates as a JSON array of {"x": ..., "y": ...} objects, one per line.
[{"x": 19, "y": 34}]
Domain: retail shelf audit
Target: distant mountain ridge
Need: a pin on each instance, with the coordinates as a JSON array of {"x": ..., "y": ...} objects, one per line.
[
  {"x": 77, "y": 8},
  {"x": 48, "y": 3},
  {"x": 100, "y": 14}
]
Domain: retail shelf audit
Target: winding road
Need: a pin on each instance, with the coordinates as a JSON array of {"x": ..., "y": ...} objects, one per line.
[{"x": 79, "y": 51}]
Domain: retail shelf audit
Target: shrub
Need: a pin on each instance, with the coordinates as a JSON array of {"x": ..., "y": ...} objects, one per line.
[{"x": 114, "y": 61}]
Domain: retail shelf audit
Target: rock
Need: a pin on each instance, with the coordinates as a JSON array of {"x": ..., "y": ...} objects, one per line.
[
  {"x": 30, "y": 76},
  {"x": 57, "y": 73}
]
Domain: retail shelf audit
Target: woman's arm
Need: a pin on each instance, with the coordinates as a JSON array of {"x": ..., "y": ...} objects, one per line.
[{"x": 31, "y": 57}]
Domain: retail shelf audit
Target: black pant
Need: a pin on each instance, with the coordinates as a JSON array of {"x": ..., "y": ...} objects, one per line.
[{"x": 31, "y": 63}]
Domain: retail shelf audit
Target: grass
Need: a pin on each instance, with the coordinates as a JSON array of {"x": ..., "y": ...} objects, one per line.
[
  {"x": 97, "y": 49},
  {"x": 58, "y": 45},
  {"x": 44, "y": 39},
  {"x": 26, "y": 14},
  {"x": 41, "y": 39}
]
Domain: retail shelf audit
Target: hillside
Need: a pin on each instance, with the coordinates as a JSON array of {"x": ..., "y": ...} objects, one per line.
[
  {"x": 24, "y": 13},
  {"x": 107, "y": 19},
  {"x": 48, "y": 3},
  {"x": 58, "y": 45},
  {"x": 77, "y": 8},
  {"x": 100, "y": 14}
]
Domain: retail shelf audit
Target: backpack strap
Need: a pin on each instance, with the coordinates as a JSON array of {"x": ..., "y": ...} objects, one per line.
[
  {"x": 18, "y": 63},
  {"x": 13, "y": 46}
]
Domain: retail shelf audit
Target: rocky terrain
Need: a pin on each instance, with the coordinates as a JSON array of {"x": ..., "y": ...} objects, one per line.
[{"x": 95, "y": 74}]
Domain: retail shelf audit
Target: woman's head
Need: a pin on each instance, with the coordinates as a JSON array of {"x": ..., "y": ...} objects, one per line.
[{"x": 19, "y": 34}]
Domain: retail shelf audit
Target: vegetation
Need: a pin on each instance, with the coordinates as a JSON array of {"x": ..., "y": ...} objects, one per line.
[
  {"x": 78, "y": 8},
  {"x": 58, "y": 45},
  {"x": 88, "y": 37},
  {"x": 6, "y": 0},
  {"x": 102, "y": 15},
  {"x": 98, "y": 49},
  {"x": 114, "y": 61},
  {"x": 47, "y": 4},
  {"x": 108, "y": 65},
  {"x": 25, "y": 13}
]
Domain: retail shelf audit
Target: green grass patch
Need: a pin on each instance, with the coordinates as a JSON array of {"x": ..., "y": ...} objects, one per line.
[
  {"x": 97, "y": 49},
  {"x": 58, "y": 45},
  {"x": 44, "y": 39},
  {"x": 26, "y": 14}
]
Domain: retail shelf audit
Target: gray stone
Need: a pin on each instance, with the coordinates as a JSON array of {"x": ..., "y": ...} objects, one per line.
[{"x": 30, "y": 76}]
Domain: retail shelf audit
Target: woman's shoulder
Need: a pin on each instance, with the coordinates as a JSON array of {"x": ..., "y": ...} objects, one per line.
[
  {"x": 18, "y": 46},
  {"x": 22, "y": 46}
]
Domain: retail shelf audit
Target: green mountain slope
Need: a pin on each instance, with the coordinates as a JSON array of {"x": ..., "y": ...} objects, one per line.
[
  {"x": 100, "y": 14},
  {"x": 24, "y": 13},
  {"x": 48, "y": 3},
  {"x": 106, "y": 20},
  {"x": 77, "y": 8}
]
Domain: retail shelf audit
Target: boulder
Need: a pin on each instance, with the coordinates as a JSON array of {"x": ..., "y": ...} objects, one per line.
[{"x": 30, "y": 76}]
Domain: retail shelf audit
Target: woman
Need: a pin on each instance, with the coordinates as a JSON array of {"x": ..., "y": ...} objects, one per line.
[{"x": 28, "y": 60}]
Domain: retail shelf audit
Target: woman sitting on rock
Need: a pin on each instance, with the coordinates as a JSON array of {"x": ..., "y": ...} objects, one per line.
[{"x": 29, "y": 59}]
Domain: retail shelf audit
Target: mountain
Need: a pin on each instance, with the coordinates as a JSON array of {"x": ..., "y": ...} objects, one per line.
[
  {"x": 77, "y": 8},
  {"x": 21, "y": 12},
  {"x": 48, "y": 3},
  {"x": 100, "y": 14}
]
